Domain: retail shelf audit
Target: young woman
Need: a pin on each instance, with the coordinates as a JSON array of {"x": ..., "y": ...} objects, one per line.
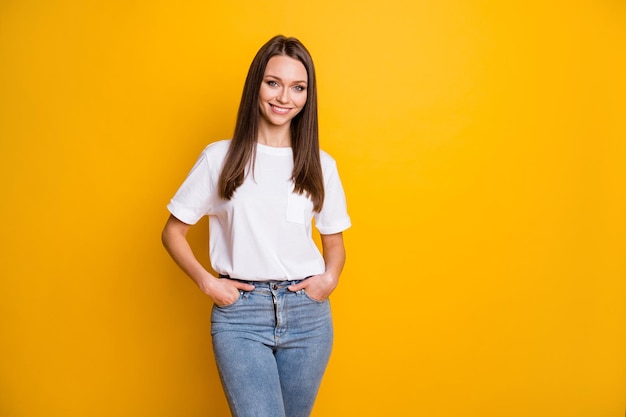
[{"x": 271, "y": 323}]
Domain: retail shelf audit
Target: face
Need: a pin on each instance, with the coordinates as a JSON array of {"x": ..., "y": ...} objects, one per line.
[{"x": 283, "y": 90}]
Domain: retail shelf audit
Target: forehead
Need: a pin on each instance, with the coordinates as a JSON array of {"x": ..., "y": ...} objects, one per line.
[{"x": 286, "y": 68}]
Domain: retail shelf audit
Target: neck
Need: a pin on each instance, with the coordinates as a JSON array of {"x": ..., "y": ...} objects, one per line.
[{"x": 276, "y": 136}]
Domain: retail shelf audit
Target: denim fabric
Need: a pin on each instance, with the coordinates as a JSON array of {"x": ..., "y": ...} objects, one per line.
[{"x": 271, "y": 347}]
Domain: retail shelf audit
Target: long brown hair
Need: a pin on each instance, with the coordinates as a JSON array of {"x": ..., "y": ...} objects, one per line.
[{"x": 307, "y": 168}]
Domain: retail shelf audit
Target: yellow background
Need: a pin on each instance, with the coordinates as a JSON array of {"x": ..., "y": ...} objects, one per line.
[{"x": 482, "y": 146}]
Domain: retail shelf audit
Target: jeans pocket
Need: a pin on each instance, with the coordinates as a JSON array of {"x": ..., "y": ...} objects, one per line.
[
  {"x": 313, "y": 299},
  {"x": 227, "y": 306}
]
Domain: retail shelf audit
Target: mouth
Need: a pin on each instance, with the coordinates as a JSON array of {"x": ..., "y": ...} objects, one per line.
[{"x": 279, "y": 110}]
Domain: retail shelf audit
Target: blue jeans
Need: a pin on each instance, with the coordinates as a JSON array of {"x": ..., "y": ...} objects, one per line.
[{"x": 271, "y": 347}]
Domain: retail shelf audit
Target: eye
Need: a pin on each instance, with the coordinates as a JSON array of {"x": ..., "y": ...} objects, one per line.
[
  {"x": 299, "y": 88},
  {"x": 272, "y": 83}
]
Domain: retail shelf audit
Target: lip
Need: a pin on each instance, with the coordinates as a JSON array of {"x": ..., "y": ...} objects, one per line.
[{"x": 279, "y": 109}]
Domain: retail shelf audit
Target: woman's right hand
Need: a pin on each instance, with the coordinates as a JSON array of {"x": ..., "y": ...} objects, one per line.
[{"x": 224, "y": 291}]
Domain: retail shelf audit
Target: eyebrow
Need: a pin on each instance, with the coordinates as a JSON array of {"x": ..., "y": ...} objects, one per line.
[{"x": 280, "y": 79}]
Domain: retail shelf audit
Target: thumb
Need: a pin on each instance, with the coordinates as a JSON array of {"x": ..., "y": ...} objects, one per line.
[
  {"x": 297, "y": 287},
  {"x": 243, "y": 286}
]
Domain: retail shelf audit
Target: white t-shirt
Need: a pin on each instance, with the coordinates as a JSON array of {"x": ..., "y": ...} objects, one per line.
[{"x": 264, "y": 231}]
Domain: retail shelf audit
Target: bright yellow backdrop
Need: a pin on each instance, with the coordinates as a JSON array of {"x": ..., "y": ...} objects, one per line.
[{"x": 482, "y": 146}]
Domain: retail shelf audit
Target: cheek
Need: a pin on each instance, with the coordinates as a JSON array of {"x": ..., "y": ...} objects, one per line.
[
  {"x": 301, "y": 101},
  {"x": 263, "y": 94}
]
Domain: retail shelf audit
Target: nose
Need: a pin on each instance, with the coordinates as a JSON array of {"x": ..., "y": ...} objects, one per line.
[{"x": 283, "y": 95}]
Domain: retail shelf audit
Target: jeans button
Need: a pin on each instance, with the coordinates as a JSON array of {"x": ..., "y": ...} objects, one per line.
[{"x": 275, "y": 286}]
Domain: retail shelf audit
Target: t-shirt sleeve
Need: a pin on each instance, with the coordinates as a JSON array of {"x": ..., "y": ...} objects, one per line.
[
  {"x": 193, "y": 199},
  {"x": 334, "y": 216}
]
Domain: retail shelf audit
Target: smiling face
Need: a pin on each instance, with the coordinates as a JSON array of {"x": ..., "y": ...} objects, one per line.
[{"x": 283, "y": 92}]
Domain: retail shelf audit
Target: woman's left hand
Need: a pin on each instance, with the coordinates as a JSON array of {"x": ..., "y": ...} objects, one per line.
[{"x": 317, "y": 287}]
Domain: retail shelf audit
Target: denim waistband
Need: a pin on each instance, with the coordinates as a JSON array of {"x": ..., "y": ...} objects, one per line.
[{"x": 271, "y": 284}]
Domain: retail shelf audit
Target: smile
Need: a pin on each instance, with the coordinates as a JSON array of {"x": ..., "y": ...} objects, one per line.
[{"x": 279, "y": 110}]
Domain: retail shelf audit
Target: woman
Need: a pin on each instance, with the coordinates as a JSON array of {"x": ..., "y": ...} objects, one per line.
[{"x": 271, "y": 323}]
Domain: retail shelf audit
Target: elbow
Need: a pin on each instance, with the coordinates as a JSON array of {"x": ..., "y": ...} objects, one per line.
[
  {"x": 173, "y": 233},
  {"x": 167, "y": 234},
  {"x": 165, "y": 238}
]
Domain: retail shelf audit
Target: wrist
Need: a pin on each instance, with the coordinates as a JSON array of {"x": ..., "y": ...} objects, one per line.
[
  {"x": 206, "y": 283},
  {"x": 331, "y": 278},
  {"x": 332, "y": 275}
]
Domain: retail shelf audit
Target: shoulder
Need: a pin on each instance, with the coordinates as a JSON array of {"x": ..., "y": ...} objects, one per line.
[
  {"x": 328, "y": 162},
  {"x": 216, "y": 151}
]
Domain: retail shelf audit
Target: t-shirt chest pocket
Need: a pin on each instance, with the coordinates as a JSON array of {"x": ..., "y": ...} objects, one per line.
[{"x": 299, "y": 208}]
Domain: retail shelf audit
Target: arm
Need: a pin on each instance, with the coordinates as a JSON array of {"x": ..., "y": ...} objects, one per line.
[
  {"x": 174, "y": 238},
  {"x": 319, "y": 287}
]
